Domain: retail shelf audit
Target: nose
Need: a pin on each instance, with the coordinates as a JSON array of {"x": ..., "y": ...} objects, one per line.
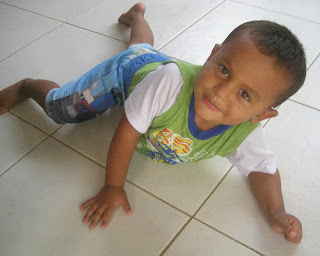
[{"x": 224, "y": 91}]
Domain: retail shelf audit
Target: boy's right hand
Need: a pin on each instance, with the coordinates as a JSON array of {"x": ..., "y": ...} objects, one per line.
[{"x": 103, "y": 204}]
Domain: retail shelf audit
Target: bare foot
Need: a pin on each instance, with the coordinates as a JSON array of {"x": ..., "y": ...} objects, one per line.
[
  {"x": 137, "y": 9},
  {"x": 11, "y": 96}
]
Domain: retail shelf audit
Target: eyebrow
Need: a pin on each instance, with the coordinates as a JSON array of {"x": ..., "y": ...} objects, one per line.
[{"x": 253, "y": 92}]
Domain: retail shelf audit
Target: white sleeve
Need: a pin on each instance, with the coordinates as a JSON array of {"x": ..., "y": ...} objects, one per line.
[
  {"x": 153, "y": 96},
  {"x": 254, "y": 155}
]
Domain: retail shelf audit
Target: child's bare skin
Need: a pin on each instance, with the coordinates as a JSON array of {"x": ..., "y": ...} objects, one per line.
[
  {"x": 266, "y": 187},
  {"x": 140, "y": 30},
  {"x": 24, "y": 89}
]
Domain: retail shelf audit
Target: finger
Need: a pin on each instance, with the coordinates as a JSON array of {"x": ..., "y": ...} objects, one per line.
[
  {"x": 289, "y": 231},
  {"x": 295, "y": 239},
  {"x": 106, "y": 217},
  {"x": 96, "y": 217},
  {"x": 90, "y": 212},
  {"x": 297, "y": 228},
  {"x": 126, "y": 207},
  {"x": 87, "y": 203}
]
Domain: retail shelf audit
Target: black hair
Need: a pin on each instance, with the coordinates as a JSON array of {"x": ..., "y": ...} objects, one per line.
[{"x": 277, "y": 41}]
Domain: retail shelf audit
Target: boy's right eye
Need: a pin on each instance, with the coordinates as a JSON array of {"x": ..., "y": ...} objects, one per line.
[{"x": 223, "y": 70}]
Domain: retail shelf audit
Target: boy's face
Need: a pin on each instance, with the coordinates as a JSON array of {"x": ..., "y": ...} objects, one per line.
[{"x": 236, "y": 84}]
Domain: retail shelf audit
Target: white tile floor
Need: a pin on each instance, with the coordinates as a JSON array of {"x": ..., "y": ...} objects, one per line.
[{"x": 48, "y": 170}]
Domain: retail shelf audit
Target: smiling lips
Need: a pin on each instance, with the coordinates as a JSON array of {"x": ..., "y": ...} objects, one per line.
[{"x": 210, "y": 105}]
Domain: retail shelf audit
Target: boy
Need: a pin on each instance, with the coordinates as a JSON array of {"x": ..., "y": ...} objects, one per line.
[{"x": 178, "y": 112}]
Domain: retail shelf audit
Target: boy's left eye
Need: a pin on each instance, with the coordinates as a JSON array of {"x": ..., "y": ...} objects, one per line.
[{"x": 244, "y": 95}]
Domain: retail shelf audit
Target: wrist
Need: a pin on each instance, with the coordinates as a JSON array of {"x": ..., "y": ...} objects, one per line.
[
  {"x": 112, "y": 186},
  {"x": 274, "y": 215}
]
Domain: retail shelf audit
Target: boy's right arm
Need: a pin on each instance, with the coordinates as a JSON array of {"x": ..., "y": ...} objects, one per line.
[{"x": 112, "y": 194}]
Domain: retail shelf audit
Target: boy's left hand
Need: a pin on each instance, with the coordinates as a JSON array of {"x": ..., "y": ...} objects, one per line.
[{"x": 287, "y": 225}]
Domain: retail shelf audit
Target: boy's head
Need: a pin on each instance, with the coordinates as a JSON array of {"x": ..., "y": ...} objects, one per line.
[{"x": 259, "y": 66}]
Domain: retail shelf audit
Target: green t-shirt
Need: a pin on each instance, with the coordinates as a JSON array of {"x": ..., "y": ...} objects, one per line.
[{"x": 170, "y": 139}]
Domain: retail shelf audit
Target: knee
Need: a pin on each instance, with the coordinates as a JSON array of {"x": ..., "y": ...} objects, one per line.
[{"x": 24, "y": 84}]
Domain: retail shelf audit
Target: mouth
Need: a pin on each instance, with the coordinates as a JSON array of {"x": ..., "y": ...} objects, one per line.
[{"x": 209, "y": 104}]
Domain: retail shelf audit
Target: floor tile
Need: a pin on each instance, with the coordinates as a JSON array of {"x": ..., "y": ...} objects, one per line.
[
  {"x": 19, "y": 28},
  {"x": 17, "y": 138},
  {"x": 233, "y": 210},
  {"x": 185, "y": 186},
  {"x": 161, "y": 16},
  {"x": 30, "y": 110},
  {"x": 309, "y": 93},
  {"x": 304, "y": 9},
  {"x": 60, "y": 56},
  {"x": 58, "y": 9},
  {"x": 171, "y": 183},
  {"x": 40, "y": 198},
  {"x": 198, "y": 239},
  {"x": 224, "y": 19}
]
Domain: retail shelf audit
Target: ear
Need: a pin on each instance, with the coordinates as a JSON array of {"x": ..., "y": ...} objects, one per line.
[
  {"x": 269, "y": 113},
  {"x": 213, "y": 52}
]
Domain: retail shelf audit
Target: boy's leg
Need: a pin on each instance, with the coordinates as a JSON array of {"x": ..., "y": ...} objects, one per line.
[
  {"x": 27, "y": 88},
  {"x": 140, "y": 30}
]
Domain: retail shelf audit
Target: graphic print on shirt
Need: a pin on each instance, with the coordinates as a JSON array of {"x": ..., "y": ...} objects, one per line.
[{"x": 169, "y": 146}]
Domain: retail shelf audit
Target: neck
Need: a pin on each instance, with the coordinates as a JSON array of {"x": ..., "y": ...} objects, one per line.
[{"x": 204, "y": 125}]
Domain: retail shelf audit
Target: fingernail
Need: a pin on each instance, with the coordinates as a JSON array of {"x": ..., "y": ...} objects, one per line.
[{"x": 292, "y": 233}]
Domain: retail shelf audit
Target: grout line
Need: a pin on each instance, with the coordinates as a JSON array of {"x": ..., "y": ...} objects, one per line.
[
  {"x": 77, "y": 151},
  {"x": 62, "y": 23},
  {"x": 46, "y": 137},
  {"x": 26, "y": 121},
  {"x": 305, "y": 105},
  {"x": 193, "y": 216},
  {"x": 160, "y": 199},
  {"x": 313, "y": 61},
  {"x": 95, "y": 32},
  {"x": 33, "y": 12},
  {"x": 55, "y": 130},
  {"x": 190, "y": 25},
  {"x": 132, "y": 183},
  {"x": 214, "y": 189},
  {"x": 176, "y": 236},
  {"x": 224, "y": 234},
  {"x": 263, "y": 8},
  {"x": 32, "y": 42},
  {"x": 84, "y": 10}
]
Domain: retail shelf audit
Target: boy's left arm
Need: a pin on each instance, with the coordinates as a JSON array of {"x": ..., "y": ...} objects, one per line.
[{"x": 267, "y": 190}]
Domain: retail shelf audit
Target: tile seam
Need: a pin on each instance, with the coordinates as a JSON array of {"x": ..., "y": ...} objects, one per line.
[
  {"x": 314, "y": 60},
  {"x": 50, "y": 135},
  {"x": 59, "y": 25},
  {"x": 82, "y": 11},
  {"x": 26, "y": 121},
  {"x": 305, "y": 105},
  {"x": 230, "y": 237},
  {"x": 175, "y": 236},
  {"x": 31, "y": 42},
  {"x": 193, "y": 215},
  {"x": 17, "y": 7},
  {"x": 127, "y": 180},
  {"x": 213, "y": 190},
  {"x": 189, "y": 26},
  {"x": 263, "y": 8},
  {"x": 29, "y": 151},
  {"x": 95, "y": 32}
]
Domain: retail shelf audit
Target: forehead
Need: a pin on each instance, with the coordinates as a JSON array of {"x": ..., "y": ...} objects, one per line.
[{"x": 251, "y": 67}]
